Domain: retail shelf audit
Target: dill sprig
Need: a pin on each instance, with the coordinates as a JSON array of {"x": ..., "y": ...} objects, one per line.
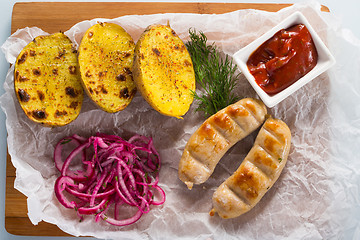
[{"x": 214, "y": 74}]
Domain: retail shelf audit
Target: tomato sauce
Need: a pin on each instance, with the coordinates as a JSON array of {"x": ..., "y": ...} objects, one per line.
[{"x": 283, "y": 59}]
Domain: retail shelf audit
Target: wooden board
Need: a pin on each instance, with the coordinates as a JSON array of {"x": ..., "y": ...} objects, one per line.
[{"x": 56, "y": 16}]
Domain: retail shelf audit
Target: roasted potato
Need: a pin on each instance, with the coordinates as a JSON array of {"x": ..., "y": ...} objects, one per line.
[
  {"x": 163, "y": 71},
  {"x": 106, "y": 55},
  {"x": 47, "y": 80}
]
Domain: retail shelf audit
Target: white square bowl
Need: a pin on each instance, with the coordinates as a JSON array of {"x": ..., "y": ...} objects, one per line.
[{"x": 325, "y": 60}]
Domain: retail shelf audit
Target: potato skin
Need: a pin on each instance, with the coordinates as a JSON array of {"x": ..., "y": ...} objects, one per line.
[
  {"x": 47, "y": 80},
  {"x": 163, "y": 71},
  {"x": 106, "y": 55}
]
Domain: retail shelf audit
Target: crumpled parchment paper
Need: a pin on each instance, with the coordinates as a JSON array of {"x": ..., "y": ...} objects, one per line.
[{"x": 317, "y": 194}]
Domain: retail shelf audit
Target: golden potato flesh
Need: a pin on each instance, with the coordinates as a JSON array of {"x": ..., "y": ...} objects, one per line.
[
  {"x": 163, "y": 71},
  {"x": 47, "y": 80},
  {"x": 106, "y": 55}
]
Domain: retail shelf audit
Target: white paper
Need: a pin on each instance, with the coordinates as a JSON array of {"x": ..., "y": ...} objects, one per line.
[{"x": 317, "y": 194}]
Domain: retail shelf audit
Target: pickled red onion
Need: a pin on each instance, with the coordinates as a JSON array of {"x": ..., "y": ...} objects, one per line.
[{"x": 115, "y": 172}]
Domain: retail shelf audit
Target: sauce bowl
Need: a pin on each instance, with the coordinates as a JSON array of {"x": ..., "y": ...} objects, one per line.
[{"x": 325, "y": 60}]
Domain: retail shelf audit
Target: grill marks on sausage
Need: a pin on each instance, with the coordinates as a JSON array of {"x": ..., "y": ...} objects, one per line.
[{"x": 247, "y": 180}]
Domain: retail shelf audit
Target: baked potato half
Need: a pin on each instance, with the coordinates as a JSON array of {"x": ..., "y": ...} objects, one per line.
[
  {"x": 106, "y": 55},
  {"x": 163, "y": 71},
  {"x": 47, "y": 80}
]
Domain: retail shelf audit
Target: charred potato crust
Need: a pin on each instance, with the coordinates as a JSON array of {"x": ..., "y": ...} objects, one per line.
[
  {"x": 163, "y": 71},
  {"x": 47, "y": 80},
  {"x": 106, "y": 55}
]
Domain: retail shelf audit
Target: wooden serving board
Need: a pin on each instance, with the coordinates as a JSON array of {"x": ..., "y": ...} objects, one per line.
[{"x": 60, "y": 16}]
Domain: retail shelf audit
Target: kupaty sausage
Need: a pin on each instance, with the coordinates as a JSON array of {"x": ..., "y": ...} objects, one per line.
[
  {"x": 257, "y": 173},
  {"x": 216, "y": 136}
]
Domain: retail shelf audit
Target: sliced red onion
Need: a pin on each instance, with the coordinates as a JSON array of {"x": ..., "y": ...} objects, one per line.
[
  {"x": 60, "y": 187},
  {"x": 92, "y": 210},
  {"x": 124, "y": 222},
  {"x": 114, "y": 174}
]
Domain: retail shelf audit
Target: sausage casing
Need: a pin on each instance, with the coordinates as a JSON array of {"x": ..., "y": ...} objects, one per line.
[
  {"x": 257, "y": 173},
  {"x": 215, "y": 136}
]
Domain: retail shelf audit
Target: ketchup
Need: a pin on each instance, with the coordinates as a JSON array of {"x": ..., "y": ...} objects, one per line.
[{"x": 283, "y": 59}]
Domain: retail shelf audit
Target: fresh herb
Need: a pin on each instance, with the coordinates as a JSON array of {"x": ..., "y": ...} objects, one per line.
[
  {"x": 65, "y": 141},
  {"x": 214, "y": 74},
  {"x": 279, "y": 159}
]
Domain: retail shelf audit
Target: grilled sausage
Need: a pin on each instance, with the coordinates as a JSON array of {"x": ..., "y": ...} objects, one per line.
[
  {"x": 215, "y": 136},
  {"x": 256, "y": 174}
]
